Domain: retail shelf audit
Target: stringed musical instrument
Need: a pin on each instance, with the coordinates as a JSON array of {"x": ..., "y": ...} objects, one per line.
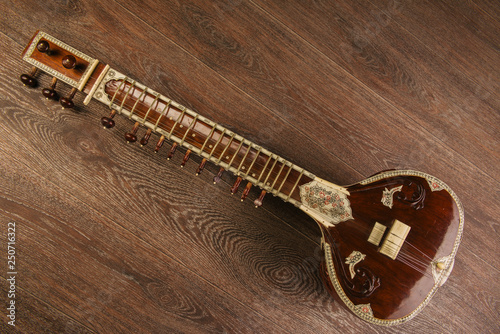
[{"x": 389, "y": 241}]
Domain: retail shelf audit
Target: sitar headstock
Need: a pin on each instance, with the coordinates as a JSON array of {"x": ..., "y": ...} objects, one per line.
[{"x": 60, "y": 60}]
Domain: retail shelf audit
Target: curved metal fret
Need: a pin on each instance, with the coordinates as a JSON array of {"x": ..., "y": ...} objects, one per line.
[
  {"x": 286, "y": 177},
  {"x": 253, "y": 161},
  {"x": 270, "y": 171},
  {"x": 208, "y": 137},
  {"x": 163, "y": 113},
  {"x": 278, "y": 176},
  {"x": 144, "y": 91},
  {"x": 150, "y": 107},
  {"x": 295, "y": 185},
  {"x": 265, "y": 166},
  {"x": 225, "y": 148},
  {"x": 125, "y": 98},
  {"x": 236, "y": 153},
  {"x": 189, "y": 129},
  {"x": 116, "y": 92},
  {"x": 244, "y": 157},
  {"x": 176, "y": 122},
  {"x": 216, "y": 144}
]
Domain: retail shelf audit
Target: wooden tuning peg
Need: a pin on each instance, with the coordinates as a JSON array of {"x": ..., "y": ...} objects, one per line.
[
  {"x": 44, "y": 47},
  {"x": 108, "y": 122},
  {"x": 50, "y": 92},
  {"x": 131, "y": 137},
  {"x": 201, "y": 166},
  {"x": 236, "y": 185},
  {"x": 145, "y": 139},
  {"x": 186, "y": 158},
  {"x": 172, "y": 151},
  {"x": 69, "y": 62},
  {"x": 246, "y": 191},
  {"x": 159, "y": 144},
  {"x": 29, "y": 79},
  {"x": 258, "y": 201},
  {"x": 67, "y": 102},
  {"x": 218, "y": 177}
]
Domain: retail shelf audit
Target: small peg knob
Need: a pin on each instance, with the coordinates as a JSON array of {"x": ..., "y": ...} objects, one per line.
[
  {"x": 236, "y": 185},
  {"x": 246, "y": 191},
  {"x": 440, "y": 266},
  {"x": 186, "y": 158},
  {"x": 159, "y": 144},
  {"x": 201, "y": 166},
  {"x": 172, "y": 151},
  {"x": 67, "y": 102},
  {"x": 145, "y": 139},
  {"x": 50, "y": 92},
  {"x": 218, "y": 177},
  {"x": 258, "y": 201},
  {"x": 69, "y": 62},
  {"x": 28, "y": 79},
  {"x": 108, "y": 122},
  {"x": 131, "y": 137},
  {"x": 43, "y": 47}
]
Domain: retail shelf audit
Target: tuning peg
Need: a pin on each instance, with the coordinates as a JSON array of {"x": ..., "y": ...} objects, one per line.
[
  {"x": 219, "y": 175},
  {"x": 246, "y": 191},
  {"x": 186, "y": 158},
  {"x": 69, "y": 62},
  {"x": 236, "y": 185},
  {"x": 108, "y": 122},
  {"x": 258, "y": 201},
  {"x": 50, "y": 92},
  {"x": 28, "y": 79},
  {"x": 44, "y": 47},
  {"x": 67, "y": 102},
  {"x": 131, "y": 137},
  {"x": 201, "y": 166},
  {"x": 145, "y": 139},
  {"x": 172, "y": 151},
  {"x": 159, "y": 144}
]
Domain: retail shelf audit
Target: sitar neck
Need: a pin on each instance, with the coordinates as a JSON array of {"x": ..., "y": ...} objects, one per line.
[
  {"x": 198, "y": 135},
  {"x": 184, "y": 128}
]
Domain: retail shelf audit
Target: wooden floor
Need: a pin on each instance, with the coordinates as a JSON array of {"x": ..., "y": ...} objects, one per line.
[{"x": 111, "y": 238}]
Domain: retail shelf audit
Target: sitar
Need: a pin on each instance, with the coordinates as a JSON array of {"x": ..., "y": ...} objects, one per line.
[{"x": 389, "y": 242}]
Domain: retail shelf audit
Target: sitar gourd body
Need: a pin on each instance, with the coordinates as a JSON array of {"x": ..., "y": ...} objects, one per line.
[{"x": 389, "y": 241}]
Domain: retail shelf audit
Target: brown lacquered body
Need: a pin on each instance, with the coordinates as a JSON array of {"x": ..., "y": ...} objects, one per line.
[{"x": 436, "y": 223}]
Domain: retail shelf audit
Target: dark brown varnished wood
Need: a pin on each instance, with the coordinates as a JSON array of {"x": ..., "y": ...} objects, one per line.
[
  {"x": 229, "y": 62},
  {"x": 394, "y": 289}
]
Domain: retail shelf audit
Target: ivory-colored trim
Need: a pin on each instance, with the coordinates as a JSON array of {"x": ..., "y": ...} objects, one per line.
[{"x": 96, "y": 85}]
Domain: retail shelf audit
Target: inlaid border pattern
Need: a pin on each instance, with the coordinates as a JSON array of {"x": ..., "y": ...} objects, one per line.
[
  {"x": 45, "y": 68},
  {"x": 357, "y": 309}
]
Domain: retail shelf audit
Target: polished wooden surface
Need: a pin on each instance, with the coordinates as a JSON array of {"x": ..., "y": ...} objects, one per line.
[{"x": 113, "y": 238}]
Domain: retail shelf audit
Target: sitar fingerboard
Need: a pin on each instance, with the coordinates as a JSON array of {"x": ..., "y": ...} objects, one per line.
[{"x": 201, "y": 136}]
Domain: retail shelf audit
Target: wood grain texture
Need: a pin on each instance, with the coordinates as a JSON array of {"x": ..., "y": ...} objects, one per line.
[{"x": 113, "y": 238}]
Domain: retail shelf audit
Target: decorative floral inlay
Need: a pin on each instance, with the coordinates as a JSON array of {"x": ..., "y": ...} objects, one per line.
[
  {"x": 364, "y": 308},
  {"x": 387, "y": 196},
  {"x": 326, "y": 201},
  {"x": 435, "y": 185},
  {"x": 354, "y": 259}
]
